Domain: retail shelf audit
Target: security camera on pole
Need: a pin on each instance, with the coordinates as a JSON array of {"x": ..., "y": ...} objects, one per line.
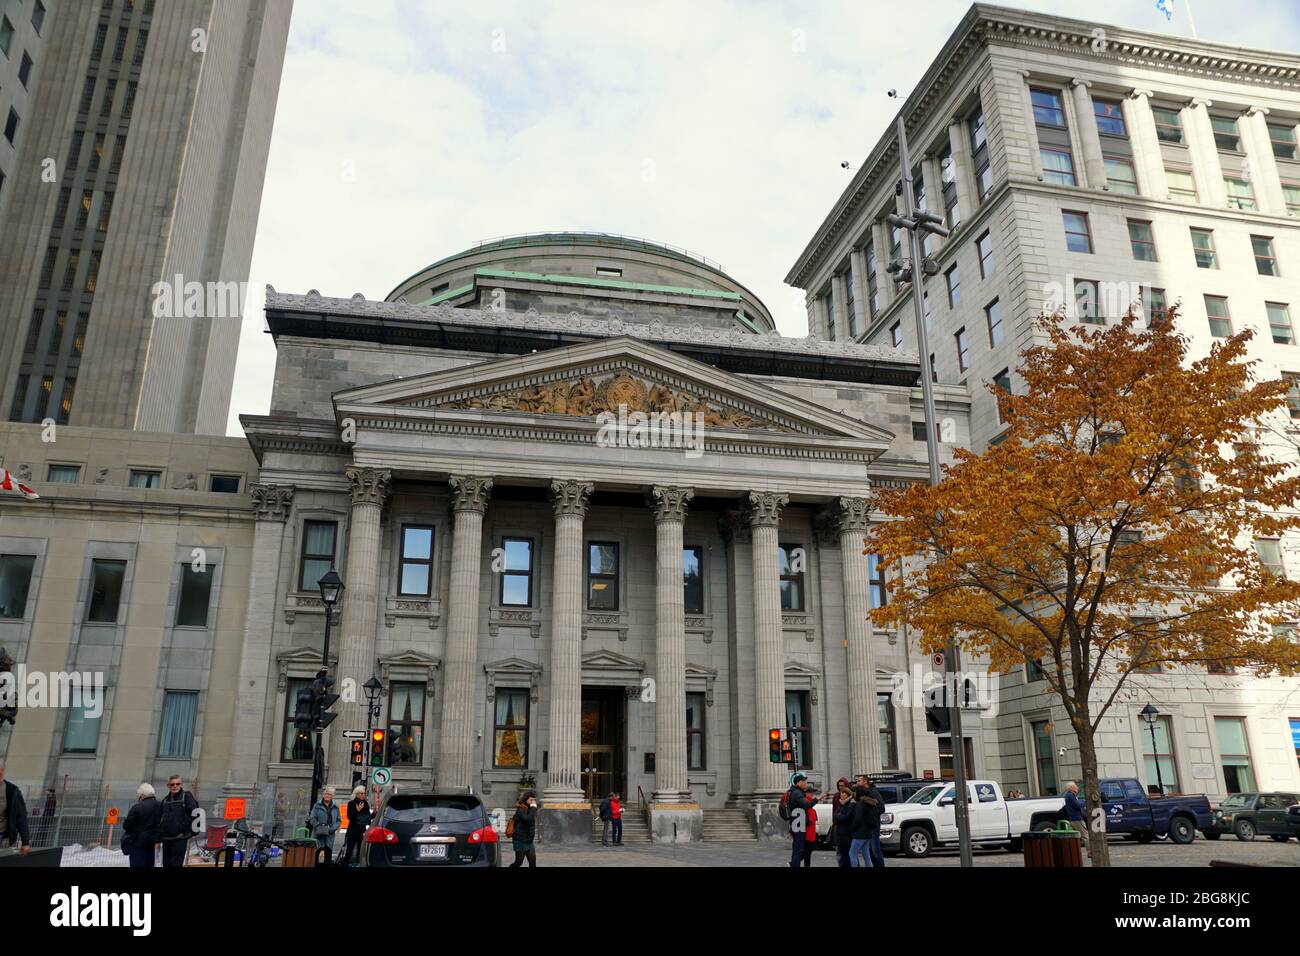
[{"x": 917, "y": 222}]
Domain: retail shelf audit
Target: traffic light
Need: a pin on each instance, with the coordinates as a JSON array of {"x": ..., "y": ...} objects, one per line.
[
  {"x": 789, "y": 753},
  {"x": 377, "y": 738},
  {"x": 358, "y": 753},
  {"x": 937, "y": 720},
  {"x": 322, "y": 700},
  {"x": 303, "y": 716},
  {"x": 774, "y": 745}
]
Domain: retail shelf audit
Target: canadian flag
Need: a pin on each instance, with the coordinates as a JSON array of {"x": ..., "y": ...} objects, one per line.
[{"x": 12, "y": 486}]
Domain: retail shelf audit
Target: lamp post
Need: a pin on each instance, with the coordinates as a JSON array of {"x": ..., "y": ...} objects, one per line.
[
  {"x": 1150, "y": 715},
  {"x": 331, "y": 588},
  {"x": 372, "y": 688}
]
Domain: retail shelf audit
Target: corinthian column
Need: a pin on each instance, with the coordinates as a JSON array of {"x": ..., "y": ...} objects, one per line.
[
  {"x": 769, "y": 654},
  {"x": 854, "y": 520},
  {"x": 370, "y": 489},
  {"x": 271, "y": 505},
  {"x": 563, "y": 782},
  {"x": 670, "y": 506},
  {"x": 469, "y": 500}
]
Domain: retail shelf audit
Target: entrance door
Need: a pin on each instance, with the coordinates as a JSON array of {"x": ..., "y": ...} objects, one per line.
[
  {"x": 597, "y": 772},
  {"x": 604, "y": 742}
]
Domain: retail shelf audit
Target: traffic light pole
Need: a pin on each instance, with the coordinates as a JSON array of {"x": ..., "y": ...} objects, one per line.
[
  {"x": 318, "y": 758},
  {"x": 932, "y": 450}
]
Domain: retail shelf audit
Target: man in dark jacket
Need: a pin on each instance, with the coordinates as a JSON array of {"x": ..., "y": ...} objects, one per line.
[
  {"x": 1075, "y": 814},
  {"x": 875, "y": 799},
  {"x": 606, "y": 818},
  {"x": 177, "y": 823},
  {"x": 14, "y": 830},
  {"x": 842, "y": 810},
  {"x": 799, "y": 801},
  {"x": 866, "y": 820},
  {"x": 140, "y": 831}
]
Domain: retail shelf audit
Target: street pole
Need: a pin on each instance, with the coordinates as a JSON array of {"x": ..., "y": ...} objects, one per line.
[
  {"x": 318, "y": 758},
  {"x": 932, "y": 450},
  {"x": 1155, "y": 754}
]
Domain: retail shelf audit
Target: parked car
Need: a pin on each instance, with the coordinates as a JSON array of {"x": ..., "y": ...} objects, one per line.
[
  {"x": 1131, "y": 811},
  {"x": 432, "y": 829},
  {"x": 928, "y": 819},
  {"x": 1249, "y": 814}
]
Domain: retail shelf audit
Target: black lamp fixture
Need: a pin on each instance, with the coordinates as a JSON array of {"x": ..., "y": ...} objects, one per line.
[
  {"x": 372, "y": 688},
  {"x": 331, "y": 586}
]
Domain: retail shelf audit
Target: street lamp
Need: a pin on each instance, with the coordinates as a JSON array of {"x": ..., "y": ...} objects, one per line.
[
  {"x": 331, "y": 587},
  {"x": 1149, "y": 714}
]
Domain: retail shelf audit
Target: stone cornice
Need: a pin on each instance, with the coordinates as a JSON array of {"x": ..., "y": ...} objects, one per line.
[{"x": 670, "y": 503}]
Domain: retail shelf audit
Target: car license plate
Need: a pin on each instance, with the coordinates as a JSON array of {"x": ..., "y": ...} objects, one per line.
[{"x": 433, "y": 851}]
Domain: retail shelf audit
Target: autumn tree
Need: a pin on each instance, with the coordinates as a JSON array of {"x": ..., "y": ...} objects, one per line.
[{"x": 1113, "y": 528}]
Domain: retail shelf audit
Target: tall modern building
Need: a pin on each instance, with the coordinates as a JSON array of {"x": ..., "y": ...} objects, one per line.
[
  {"x": 133, "y": 154},
  {"x": 1094, "y": 167}
]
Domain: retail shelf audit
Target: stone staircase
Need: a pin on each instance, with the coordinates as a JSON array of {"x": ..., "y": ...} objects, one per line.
[
  {"x": 728, "y": 826},
  {"x": 634, "y": 828}
]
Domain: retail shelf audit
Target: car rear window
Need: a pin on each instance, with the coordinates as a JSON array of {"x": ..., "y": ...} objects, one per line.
[{"x": 411, "y": 809}]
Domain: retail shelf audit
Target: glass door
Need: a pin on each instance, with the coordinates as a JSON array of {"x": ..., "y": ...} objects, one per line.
[{"x": 597, "y": 772}]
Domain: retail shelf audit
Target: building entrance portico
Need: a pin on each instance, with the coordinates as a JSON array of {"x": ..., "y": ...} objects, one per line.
[{"x": 604, "y": 742}]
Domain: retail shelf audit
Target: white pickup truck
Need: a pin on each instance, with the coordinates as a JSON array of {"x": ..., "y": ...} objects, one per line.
[{"x": 928, "y": 818}]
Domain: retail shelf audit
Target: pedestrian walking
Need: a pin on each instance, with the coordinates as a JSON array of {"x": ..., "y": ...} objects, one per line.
[
  {"x": 606, "y": 818},
  {"x": 324, "y": 822},
  {"x": 14, "y": 830},
  {"x": 359, "y": 817},
  {"x": 140, "y": 831},
  {"x": 866, "y": 817},
  {"x": 177, "y": 824},
  {"x": 523, "y": 829},
  {"x": 616, "y": 817},
  {"x": 877, "y": 799},
  {"x": 794, "y": 807},
  {"x": 842, "y": 821},
  {"x": 1075, "y": 814}
]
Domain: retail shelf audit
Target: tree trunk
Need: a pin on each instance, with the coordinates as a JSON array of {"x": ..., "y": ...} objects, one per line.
[{"x": 1098, "y": 848}]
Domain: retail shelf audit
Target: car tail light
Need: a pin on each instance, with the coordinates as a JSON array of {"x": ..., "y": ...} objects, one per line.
[
  {"x": 487, "y": 834},
  {"x": 380, "y": 835}
]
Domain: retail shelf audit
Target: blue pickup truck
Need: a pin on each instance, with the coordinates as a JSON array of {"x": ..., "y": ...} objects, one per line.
[{"x": 1129, "y": 811}]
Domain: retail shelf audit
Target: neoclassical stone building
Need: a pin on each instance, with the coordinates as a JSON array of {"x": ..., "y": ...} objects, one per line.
[{"x": 546, "y": 592}]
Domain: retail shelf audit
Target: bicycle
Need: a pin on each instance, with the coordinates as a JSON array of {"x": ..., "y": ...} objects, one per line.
[{"x": 263, "y": 851}]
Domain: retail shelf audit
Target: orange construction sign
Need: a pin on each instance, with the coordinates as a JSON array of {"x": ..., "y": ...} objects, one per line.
[
  {"x": 114, "y": 814},
  {"x": 343, "y": 816},
  {"x": 236, "y": 808}
]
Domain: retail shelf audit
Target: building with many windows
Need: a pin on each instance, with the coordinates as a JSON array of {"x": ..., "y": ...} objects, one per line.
[
  {"x": 1092, "y": 169},
  {"x": 134, "y": 149}
]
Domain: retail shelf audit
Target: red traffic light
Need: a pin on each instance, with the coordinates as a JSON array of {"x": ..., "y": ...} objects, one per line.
[
  {"x": 377, "y": 738},
  {"x": 774, "y": 733}
]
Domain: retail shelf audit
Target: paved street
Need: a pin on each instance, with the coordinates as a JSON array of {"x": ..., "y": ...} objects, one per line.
[{"x": 1159, "y": 854}]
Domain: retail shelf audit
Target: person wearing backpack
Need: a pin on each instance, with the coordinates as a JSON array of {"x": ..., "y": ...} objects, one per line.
[
  {"x": 606, "y": 817},
  {"x": 522, "y": 829},
  {"x": 794, "y": 807}
]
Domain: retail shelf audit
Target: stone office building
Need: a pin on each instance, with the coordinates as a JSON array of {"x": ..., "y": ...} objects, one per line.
[
  {"x": 1085, "y": 165},
  {"x": 542, "y": 594}
]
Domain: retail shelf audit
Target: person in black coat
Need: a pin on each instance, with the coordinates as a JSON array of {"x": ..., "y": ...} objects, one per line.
[
  {"x": 140, "y": 831},
  {"x": 359, "y": 817},
  {"x": 525, "y": 829},
  {"x": 866, "y": 820},
  {"x": 177, "y": 823},
  {"x": 799, "y": 800},
  {"x": 14, "y": 829},
  {"x": 842, "y": 818}
]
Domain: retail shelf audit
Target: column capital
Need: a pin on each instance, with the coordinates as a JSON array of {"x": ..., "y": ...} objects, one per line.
[
  {"x": 1261, "y": 110},
  {"x": 369, "y": 486},
  {"x": 853, "y": 515},
  {"x": 1199, "y": 101},
  {"x": 765, "y": 507},
  {"x": 1137, "y": 94},
  {"x": 470, "y": 492},
  {"x": 571, "y": 497},
  {"x": 1077, "y": 81},
  {"x": 670, "y": 502},
  {"x": 271, "y": 502}
]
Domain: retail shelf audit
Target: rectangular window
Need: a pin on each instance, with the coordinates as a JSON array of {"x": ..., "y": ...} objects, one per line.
[
  {"x": 63, "y": 474},
  {"x": 15, "y": 581},
  {"x": 176, "y": 731},
  {"x": 947, "y": 768},
  {"x": 888, "y": 723},
  {"x": 106, "y": 104},
  {"x": 144, "y": 479},
  {"x": 106, "y": 580},
  {"x": 1160, "y": 755},
  {"x": 81, "y": 736},
  {"x": 790, "y": 568},
  {"x": 297, "y": 744},
  {"x": 609, "y": 272},
  {"x": 11, "y": 125},
  {"x": 695, "y": 756},
  {"x": 980, "y": 153},
  {"x": 1044, "y": 757},
  {"x": 1269, "y": 552},
  {"x": 1234, "y": 755},
  {"x": 1203, "y": 249},
  {"x": 876, "y": 575},
  {"x": 517, "y": 572},
  {"x": 196, "y": 595},
  {"x": 1120, "y": 177},
  {"x": 119, "y": 45},
  {"x": 406, "y": 722},
  {"x": 798, "y": 720},
  {"x": 993, "y": 318},
  {"x": 1293, "y": 394},
  {"x": 416, "y": 575},
  {"x": 873, "y": 287},
  {"x": 1003, "y": 381},
  {"x": 1291, "y": 192},
  {"x": 1279, "y": 322},
  {"x": 1156, "y": 307},
  {"x": 830, "y": 315},
  {"x": 849, "y": 309},
  {"x": 1169, "y": 124},
  {"x": 1077, "y": 236},
  {"x": 510, "y": 727},
  {"x": 1240, "y": 193},
  {"x": 1226, "y": 138},
  {"x": 963, "y": 350},
  {"x": 1034, "y": 671},
  {"x": 1140, "y": 238},
  {"x": 896, "y": 334},
  {"x": 918, "y": 431},
  {"x": 1087, "y": 302},
  {"x": 6, "y": 35},
  {"x": 38, "y": 16},
  {"x": 953, "y": 278},
  {"x": 602, "y": 576},
  {"x": 318, "y": 543},
  {"x": 1182, "y": 185},
  {"x": 1048, "y": 110},
  {"x": 25, "y": 70},
  {"x": 224, "y": 484},
  {"x": 693, "y": 579},
  {"x": 1058, "y": 166},
  {"x": 1283, "y": 140},
  {"x": 1110, "y": 117},
  {"x": 1216, "y": 310},
  {"x": 948, "y": 175},
  {"x": 984, "y": 248},
  {"x": 1265, "y": 260},
  {"x": 105, "y": 211}
]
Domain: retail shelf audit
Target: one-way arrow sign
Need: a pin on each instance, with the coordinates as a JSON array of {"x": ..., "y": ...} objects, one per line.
[{"x": 354, "y": 735}]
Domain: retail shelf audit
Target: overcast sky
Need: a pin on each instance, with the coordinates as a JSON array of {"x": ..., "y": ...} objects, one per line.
[{"x": 408, "y": 130}]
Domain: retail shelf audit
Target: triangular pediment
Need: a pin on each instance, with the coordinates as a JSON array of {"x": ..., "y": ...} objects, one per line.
[
  {"x": 610, "y": 661},
  {"x": 607, "y": 377},
  {"x": 513, "y": 665}
]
